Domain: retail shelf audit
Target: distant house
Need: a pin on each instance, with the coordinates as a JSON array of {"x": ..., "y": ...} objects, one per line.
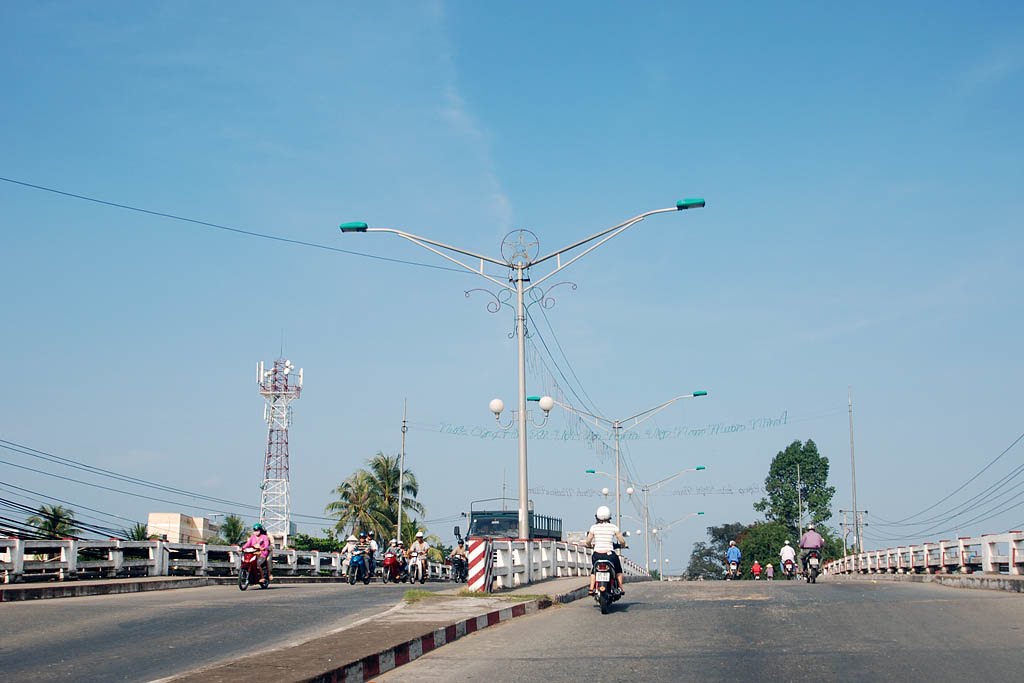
[{"x": 175, "y": 527}]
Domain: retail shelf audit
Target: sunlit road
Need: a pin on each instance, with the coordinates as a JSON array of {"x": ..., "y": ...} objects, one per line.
[
  {"x": 747, "y": 631},
  {"x": 145, "y": 636}
]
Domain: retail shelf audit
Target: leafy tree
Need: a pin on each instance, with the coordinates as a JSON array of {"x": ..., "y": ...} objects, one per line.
[
  {"x": 368, "y": 499},
  {"x": 762, "y": 541},
  {"x": 324, "y": 545},
  {"x": 137, "y": 532},
  {"x": 781, "y": 503},
  {"x": 54, "y": 521},
  {"x": 705, "y": 562},
  {"x": 232, "y": 531}
]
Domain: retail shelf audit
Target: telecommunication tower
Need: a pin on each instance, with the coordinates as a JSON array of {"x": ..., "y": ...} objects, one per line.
[{"x": 279, "y": 386}]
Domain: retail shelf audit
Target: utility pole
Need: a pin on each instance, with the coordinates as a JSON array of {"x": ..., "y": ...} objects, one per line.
[
  {"x": 799, "y": 502},
  {"x": 401, "y": 468},
  {"x": 853, "y": 477}
]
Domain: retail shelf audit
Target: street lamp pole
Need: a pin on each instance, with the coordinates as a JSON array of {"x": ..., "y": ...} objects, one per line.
[
  {"x": 660, "y": 535},
  {"x": 520, "y": 258},
  {"x": 618, "y": 427}
]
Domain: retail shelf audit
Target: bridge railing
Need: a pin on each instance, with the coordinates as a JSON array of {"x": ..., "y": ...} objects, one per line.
[
  {"x": 988, "y": 554},
  {"x": 67, "y": 559}
]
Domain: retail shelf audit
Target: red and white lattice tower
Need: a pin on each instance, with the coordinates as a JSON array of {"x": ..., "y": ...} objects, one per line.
[{"x": 279, "y": 385}]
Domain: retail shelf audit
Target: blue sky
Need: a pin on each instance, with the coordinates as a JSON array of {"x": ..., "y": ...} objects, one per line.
[{"x": 861, "y": 167}]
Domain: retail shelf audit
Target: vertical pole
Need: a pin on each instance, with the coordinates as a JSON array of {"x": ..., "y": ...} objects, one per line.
[
  {"x": 618, "y": 480},
  {"x": 647, "y": 534},
  {"x": 853, "y": 477},
  {"x": 799, "y": 502},
  {"x": 401, "y": 469},
  {"x": 524, "y": 514},
  {"x": 845, "y": 552}
]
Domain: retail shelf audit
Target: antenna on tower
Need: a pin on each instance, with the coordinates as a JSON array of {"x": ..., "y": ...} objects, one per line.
[{"x": 278, "y": 388}]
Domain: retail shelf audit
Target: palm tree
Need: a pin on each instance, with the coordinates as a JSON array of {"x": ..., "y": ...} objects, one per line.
[
  {"x": 368, "y": 499},
  {"x": 232, "y": 531},
  {"x": 53, "y": 521},
  {"x": 137, "y": 532}
]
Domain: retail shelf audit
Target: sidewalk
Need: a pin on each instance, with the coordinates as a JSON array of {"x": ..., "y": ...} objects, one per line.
[
  {"x": 395, "y": 637},
  {"x": 42, "y": 590}
]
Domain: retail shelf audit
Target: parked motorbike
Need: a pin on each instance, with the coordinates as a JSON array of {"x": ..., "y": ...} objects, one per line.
[
  {"x": 417, "y": 568},
  {"x": 813, "y": 565},
  {"x": 606, "y": 588},
  {"x": 460, "y": 569},
  {"x": 392, "y": 568},
  {"x": 250, "y": 571},
  {"x": 789, "y": 569},
  {"x": 358, "y": 568}
]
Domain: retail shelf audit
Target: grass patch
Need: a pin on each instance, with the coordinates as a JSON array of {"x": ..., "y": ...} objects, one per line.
[
  {"x": 466, "y": 593},
  {"x": 416, "y": 594}
]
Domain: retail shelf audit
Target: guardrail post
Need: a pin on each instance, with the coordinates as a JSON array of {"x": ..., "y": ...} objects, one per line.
[
  {"x": 1016, "y": 552},
  {"x": 68, "y": 559}
]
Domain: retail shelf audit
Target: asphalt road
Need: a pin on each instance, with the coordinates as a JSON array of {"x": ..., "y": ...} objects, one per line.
[
  {"x": 147, "y": 636},
  {"x": 747, "y": 631}
]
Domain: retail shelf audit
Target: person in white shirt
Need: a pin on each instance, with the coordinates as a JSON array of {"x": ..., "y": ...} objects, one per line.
[
  {"x": 602, "y": 538},
  {"x": 787, "y": 553},
  {"x": 419, "y": 546}
]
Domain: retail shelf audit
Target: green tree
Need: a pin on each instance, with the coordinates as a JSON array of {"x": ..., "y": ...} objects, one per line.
[
  {"x": 762, "y": 541},
  {"x": 324, "y": 545},
  {"x": 781, "y": 504},
  {"x": 232, "y": 531},
  {"x": 54, "y": 521},
  {"x": 368, "y": 499},
  {"x": 137, "y": 532},
  {"x": 705, "y": 563}
]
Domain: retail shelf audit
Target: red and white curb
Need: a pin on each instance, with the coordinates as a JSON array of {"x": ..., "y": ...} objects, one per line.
[{"x": 385, "y": 661}]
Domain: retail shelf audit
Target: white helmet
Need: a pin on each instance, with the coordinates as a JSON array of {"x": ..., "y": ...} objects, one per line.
[
  {"x": 787, "y": 542},
  {"x": 350, "y": 538},
  {"x": 732, "y": 542},
  {"x": 603, "y": 514},
  {"x": 419, "y": 534},
  {"x": 810, "y": 527}
]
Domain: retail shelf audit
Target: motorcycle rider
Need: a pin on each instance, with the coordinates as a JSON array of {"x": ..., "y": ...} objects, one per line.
[
  {"x": 787, "y": 554},
  {"x": 373, "y": 551},
  {"x": 346, "y": 552},
  {"x": 733, "y": 555},
  {"x": 602, "y": 537},
  {"x": 756, "y": 570},
  {"x": 261, "y": 542},
  {"x": 419, "y": 546},
  {"x": 811, "y": 540},
  {"x": 459, "y": 553}
]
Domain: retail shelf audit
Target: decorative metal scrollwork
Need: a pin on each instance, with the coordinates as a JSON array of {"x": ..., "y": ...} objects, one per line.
[
  {"x": 500, "y": 299},
  {"x": 543, "y": 296}
]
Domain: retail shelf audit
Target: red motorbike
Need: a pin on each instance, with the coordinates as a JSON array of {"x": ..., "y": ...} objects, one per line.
[
  {"x": 250, "y": 571},
  {"x": 789, "y": 569},
  {"x": 393, "y": 568}
]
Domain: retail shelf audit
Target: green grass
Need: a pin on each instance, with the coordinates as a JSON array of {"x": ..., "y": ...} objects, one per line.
[
  {"x": 416, "y": 594},
  {"x": 466, "y": 593}
]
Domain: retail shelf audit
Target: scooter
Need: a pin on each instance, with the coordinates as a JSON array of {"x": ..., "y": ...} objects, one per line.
[
  {"x": 789, "y": 569},
  {"x": 813, "y": 564},
  {"x": 734, "y": 571},
  {"x": 417, "y": 572},
  {"x": 358, "y": 568},
  {"x": 250, "y": 571},
  {"x": 392, "y": 567},
  {"x": 606, "y": 586},
  {"x": 460, "y": 569}
]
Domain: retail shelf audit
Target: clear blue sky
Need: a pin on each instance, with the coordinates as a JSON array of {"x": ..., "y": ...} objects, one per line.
[{"x": 862, "y": 168}]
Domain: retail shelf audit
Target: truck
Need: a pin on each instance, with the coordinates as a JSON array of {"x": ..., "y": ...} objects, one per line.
[{"x": 489, "y": 521}]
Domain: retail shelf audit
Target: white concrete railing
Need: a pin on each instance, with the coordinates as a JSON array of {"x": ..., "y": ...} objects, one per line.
[
  {"x": 988, "y": 554},
  {"x": 72, "y": 559},
  {"x": 506, "y": 566}
]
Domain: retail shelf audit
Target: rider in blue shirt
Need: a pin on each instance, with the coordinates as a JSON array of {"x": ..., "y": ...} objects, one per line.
[{"x": 733, "y": 554}]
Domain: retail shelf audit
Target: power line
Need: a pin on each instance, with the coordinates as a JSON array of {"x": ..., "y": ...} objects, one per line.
[{"x": 218, "y": 226}]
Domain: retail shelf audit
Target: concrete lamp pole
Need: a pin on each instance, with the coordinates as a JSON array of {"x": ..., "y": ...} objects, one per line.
[
  {"x": 519, "y": 254},
  {"x": 619, "y": 426}
]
